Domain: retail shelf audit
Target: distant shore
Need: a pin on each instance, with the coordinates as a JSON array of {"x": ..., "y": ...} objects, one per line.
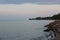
[
  {"x": 43, "y": 19},
  {"x": 54, "y": 17}
]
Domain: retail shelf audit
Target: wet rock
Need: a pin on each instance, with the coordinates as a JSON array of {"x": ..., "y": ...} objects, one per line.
[{"x": 55, "y": 27}]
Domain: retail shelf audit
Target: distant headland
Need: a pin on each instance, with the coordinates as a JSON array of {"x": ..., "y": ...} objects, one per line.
[{"x": 54, "y": 17}]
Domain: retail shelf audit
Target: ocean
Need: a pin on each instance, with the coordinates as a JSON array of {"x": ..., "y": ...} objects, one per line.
[{"x": 23, "y": 30}]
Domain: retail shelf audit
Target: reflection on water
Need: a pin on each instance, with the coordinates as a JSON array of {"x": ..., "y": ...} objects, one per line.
[{"x": 23, "y": 30}]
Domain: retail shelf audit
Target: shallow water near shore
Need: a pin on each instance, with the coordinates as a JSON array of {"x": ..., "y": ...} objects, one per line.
[{"x": 23, "y": 30}]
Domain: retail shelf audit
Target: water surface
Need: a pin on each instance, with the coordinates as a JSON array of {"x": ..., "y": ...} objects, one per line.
[{"x": 22, "y": 30}]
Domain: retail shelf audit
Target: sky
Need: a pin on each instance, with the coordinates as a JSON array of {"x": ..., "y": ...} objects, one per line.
[
  {"x": 28, "y": 1},
  {"x": 20, "y": 9}
]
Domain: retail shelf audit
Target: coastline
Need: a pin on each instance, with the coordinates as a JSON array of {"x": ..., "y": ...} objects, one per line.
[{"x": 55, "y": 28}]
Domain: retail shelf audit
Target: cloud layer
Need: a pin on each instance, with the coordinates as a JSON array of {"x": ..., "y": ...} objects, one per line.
[
  {"x": 29, "y": 1},
  {"x": 21, "y": 11},
  {"x": 29, "y": 9}
]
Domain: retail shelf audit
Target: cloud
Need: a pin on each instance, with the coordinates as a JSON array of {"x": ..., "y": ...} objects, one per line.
[
  {"x": 29, "y": 1},
  {"x": 28, "y": 9},
  {"x": 17, "y": 11}
]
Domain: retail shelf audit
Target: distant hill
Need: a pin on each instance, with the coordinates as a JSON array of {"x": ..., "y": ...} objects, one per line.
[{"x": 54, "y": 17}]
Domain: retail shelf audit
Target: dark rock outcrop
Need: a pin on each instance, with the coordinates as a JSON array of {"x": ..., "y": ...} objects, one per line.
[{"x": 55, "y": 27}]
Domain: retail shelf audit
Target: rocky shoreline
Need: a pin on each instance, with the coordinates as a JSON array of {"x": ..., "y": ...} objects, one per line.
[{"x": 55, "y": 28}]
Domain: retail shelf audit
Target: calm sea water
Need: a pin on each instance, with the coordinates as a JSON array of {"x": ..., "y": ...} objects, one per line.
[{"x": 23, "y": 30}]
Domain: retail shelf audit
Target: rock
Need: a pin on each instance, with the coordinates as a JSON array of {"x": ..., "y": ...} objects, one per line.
[{"x": 55, "y": 27}]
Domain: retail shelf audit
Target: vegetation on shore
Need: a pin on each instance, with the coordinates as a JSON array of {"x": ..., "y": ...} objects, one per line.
[{"x": 54, "y": 17}]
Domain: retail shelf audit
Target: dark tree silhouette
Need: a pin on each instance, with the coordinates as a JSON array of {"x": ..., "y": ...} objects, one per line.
[{"x": 54, "y": 17}]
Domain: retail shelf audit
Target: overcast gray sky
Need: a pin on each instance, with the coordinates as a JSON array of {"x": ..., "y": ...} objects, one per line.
[
  {"x": 27, "y": 8},
  {"x": 29, "y": 1}
]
